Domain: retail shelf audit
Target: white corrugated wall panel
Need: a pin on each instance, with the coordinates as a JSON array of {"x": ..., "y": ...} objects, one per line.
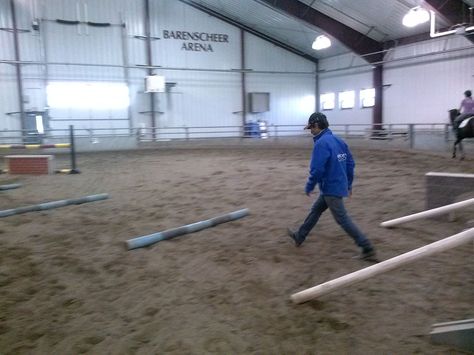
[
  {"x": 221, "y": 53},
  {"x": 442, "y": 48},
  {"x": 8, "y": 88},
  {"x": 422, "y": 81},
  {"x": 5, "y": 15},
  {"x": 30, "y": 50},
  {"x": 339, "y": 83},
  {"x": 98, "y": 45},
  {"x": 292, "y": 97},
  {"x": 26, "y": 11},
  {"x": 345, "y": 61},
  {"x": 132, "y": 13},
  {"x": 61, "y": 9},
  {"x": 337, "y": 74},
  {"x": 6, "y": 37},
  {"x": 8, "y": 99},
  {"x": 274, "y": 23},
  {"x": 424, "y": 89},
  {"x": 27, "y": 37},
  {"x": 201, "y": 97},
  {"x": 207, "y": 98},
  {"x": 292, "y": 94},
  {"x": 86, "y": 45},
  {"x": 261, "y": 55}
]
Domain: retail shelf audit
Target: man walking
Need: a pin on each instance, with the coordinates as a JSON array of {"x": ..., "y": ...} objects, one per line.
[{"x": 332, "y": 168}]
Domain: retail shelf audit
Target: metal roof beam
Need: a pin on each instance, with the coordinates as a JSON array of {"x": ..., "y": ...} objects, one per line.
[
  {"x": 454, "y": 12},
  {"x": 355, "y": 41}
]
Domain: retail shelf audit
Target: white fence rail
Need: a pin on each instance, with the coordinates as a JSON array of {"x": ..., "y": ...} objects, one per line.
[
  {"x": 384, "y": 131},
  {"x": 433, "y": 136}
]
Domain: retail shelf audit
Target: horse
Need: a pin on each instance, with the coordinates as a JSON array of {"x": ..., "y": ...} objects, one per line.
[{"x": 464, "y": 129}]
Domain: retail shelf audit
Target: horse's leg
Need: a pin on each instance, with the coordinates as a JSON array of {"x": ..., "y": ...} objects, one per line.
[{"x": 454, "y": 147}]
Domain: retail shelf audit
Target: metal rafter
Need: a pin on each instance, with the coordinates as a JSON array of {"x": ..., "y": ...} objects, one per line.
[
  {"x": 354, "y": 40},
  {"x": 250, "y": 30},
  {"x": 453, "y": 11}
]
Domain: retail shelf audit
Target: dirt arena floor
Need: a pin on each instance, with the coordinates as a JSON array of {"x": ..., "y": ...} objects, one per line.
[{"x": 69, "y": 286}]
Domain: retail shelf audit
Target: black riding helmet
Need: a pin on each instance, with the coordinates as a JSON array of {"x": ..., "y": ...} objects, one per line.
[
  {"x": 468, "y": 93},
  {"x": 318, "y": 119}
]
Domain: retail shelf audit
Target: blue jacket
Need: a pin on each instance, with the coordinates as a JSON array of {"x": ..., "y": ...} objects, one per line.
[{"x": 332, "y": 165}]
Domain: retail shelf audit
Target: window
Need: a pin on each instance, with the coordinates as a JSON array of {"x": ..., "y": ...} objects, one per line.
[
  {"x": 367, "y": 98},
  {"x": 327, "y": 101},
  {"x": 346, "y": 99},
  {"x": 88, "y": 95}
]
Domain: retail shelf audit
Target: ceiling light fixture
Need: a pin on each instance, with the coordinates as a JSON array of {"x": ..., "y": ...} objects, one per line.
[
  {"x": 416, "y": 16},
  {"x": 321, "y": 42}
]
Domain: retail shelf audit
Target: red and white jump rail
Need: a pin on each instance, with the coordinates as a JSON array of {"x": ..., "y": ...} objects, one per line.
[{"x": 39, "y": 164}]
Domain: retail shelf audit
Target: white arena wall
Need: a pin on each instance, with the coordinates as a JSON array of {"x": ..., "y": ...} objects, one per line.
[
  {"x": 205, "y": 87},
  {"x": 422, "y": 81}
]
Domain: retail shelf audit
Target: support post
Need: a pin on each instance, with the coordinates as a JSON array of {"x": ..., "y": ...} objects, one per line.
[
  {"x": 377, "y": 80},
  {"x": 149, "y": 59},
  {"x": 242, "y": 78},
  {"x": 73, "y": 151},
  {"x": 411, "y": 135},
  {"x": 19, "y": 78},
  {"x": 387, "y": 265}
]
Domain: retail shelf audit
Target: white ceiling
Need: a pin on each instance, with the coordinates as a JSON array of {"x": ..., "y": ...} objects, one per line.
[{"x": 381, "y": 20}]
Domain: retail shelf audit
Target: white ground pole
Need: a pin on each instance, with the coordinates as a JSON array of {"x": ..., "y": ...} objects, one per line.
[
  {"x": 53, "y": 204},
  {"x": 146, "y": 240},
  {"x": 387, "y": 265},
  {"x": 428, "y": 213}
]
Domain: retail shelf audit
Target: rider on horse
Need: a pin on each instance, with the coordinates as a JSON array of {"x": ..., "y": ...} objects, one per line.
[{"x": 466, "y": 109}]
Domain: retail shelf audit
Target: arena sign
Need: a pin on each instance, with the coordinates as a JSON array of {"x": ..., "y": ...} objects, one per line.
[{"x": 196, "y": 41}]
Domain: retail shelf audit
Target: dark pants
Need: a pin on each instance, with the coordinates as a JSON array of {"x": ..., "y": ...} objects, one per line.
[{"x": 336, "y": 206}]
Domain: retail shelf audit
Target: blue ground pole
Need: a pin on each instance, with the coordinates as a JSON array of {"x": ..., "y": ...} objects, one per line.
[
  {"x": 147, "y": 240},
  {"x": 9, "y": 187},
  {"x": 53, "y": 204}
]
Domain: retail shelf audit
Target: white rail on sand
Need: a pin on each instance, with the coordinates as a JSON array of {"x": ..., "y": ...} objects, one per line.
[
  {"x": 428, "y": 213},
  {"x": 387, "y": 265}
]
